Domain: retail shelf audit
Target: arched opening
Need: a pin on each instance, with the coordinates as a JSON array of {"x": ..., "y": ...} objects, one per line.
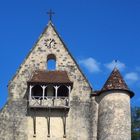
[
  {"x": 51, "y": 62},
  {"x": 50, "y": 91},
  {"x": 37, "y": 91},
  {"x": 63, "y": 91}
]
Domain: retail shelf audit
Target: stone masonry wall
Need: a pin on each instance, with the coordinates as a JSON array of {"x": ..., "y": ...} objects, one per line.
[
  {"x": 114, "y": 122},
  {"x": 78, "y": 119},
  {"x": 13, "y": 121}
]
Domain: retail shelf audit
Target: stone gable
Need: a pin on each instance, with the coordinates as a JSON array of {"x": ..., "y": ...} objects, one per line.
[
  {"x": 37, "y": 59},
  {"x": 78, "y": 122}
]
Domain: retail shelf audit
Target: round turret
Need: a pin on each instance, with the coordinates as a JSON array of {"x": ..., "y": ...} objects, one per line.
[{"x": 114, "y": 116}]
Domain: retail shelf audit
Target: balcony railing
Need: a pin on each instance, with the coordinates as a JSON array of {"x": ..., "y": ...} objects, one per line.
[{"x": 48, "y": 102}]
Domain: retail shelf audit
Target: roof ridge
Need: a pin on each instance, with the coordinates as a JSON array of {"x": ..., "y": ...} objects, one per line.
[{"x": 50, "y": 70}]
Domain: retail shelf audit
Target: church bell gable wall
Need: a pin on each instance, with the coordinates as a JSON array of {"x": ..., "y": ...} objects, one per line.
[
  {"x": 49, "y": 43},
  {"x": 79, "y": 115}
]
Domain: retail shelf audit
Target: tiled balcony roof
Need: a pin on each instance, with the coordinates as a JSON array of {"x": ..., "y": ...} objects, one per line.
[{"x": 50, "y": 77}]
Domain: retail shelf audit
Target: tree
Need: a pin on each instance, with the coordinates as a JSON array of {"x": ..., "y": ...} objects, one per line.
[{"x": 135, "y": 123}]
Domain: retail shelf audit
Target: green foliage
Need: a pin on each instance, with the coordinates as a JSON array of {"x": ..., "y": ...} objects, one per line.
[{"x": 135, "y": 123}]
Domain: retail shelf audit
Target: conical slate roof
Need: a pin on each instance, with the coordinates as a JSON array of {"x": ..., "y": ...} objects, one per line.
[{"x": 115, "y": 81}]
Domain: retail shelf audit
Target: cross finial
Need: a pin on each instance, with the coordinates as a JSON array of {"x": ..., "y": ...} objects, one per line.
[
  {"x": 50, "y": 13},
  {"x": 116, "y": 61}
]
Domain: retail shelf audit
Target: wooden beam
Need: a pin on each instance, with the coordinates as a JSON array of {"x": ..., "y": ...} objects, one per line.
[
  {"x": 48, "y": 123},
  {"x": 64, "y": 126},
  {"x": 34, "y": 123}
]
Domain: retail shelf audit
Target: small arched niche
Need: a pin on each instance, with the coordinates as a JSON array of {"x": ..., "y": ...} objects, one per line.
[
  {"x": 37, "y": 91},
  {"x": 51, "y": 62},
  {"x": 63, "y": 91},
  {"x": 50, "y": 91}
]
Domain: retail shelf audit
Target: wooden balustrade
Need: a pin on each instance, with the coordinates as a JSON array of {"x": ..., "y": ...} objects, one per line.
[{"x": 48, "y": 102}]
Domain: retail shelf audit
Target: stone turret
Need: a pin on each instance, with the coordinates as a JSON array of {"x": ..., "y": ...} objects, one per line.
[{"x": 114, "y": 121}]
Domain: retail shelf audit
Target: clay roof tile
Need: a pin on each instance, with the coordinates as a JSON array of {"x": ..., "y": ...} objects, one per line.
[{"x": 49, "y": 77}]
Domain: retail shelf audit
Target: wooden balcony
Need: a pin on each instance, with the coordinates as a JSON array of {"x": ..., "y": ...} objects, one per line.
[{"x": 48, "y": 102}]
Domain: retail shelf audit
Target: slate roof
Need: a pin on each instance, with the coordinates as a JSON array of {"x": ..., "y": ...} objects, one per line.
[
  {"x": 115, "y": 81},
  {"x": 49, "y": 77}
]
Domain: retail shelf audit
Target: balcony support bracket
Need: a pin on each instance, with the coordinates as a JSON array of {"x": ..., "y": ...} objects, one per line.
[{"x": 34, "y": 123}]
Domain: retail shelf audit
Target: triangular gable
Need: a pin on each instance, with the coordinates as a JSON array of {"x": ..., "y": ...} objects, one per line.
[{"x": 50, "y": 25}]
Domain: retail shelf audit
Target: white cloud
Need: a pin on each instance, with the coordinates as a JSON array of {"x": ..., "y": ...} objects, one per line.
[
  {"x": 121, "y": 66},
  {"x": 132, "y": 77},
  {"x": 91, "y": 65}
]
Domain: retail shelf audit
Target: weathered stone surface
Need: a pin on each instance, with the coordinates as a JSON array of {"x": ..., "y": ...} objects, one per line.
[
  {"x": 114, "y": 116},
  {"x": 110, "y": 115},
  {"x": 77, "y": 118},
  {"x": 13, "y": 120}
]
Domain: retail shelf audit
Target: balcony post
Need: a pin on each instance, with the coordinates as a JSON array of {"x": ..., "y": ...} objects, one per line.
[
  {"x": 30, "y": 92},
  {"x": 43, "y": 95},
  {"x": 56, "y": 91},
  {"x": 69, "y": 87}
]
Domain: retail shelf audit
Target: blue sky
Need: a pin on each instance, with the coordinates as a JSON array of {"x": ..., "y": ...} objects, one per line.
[{"x": 95, "y": 31}]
